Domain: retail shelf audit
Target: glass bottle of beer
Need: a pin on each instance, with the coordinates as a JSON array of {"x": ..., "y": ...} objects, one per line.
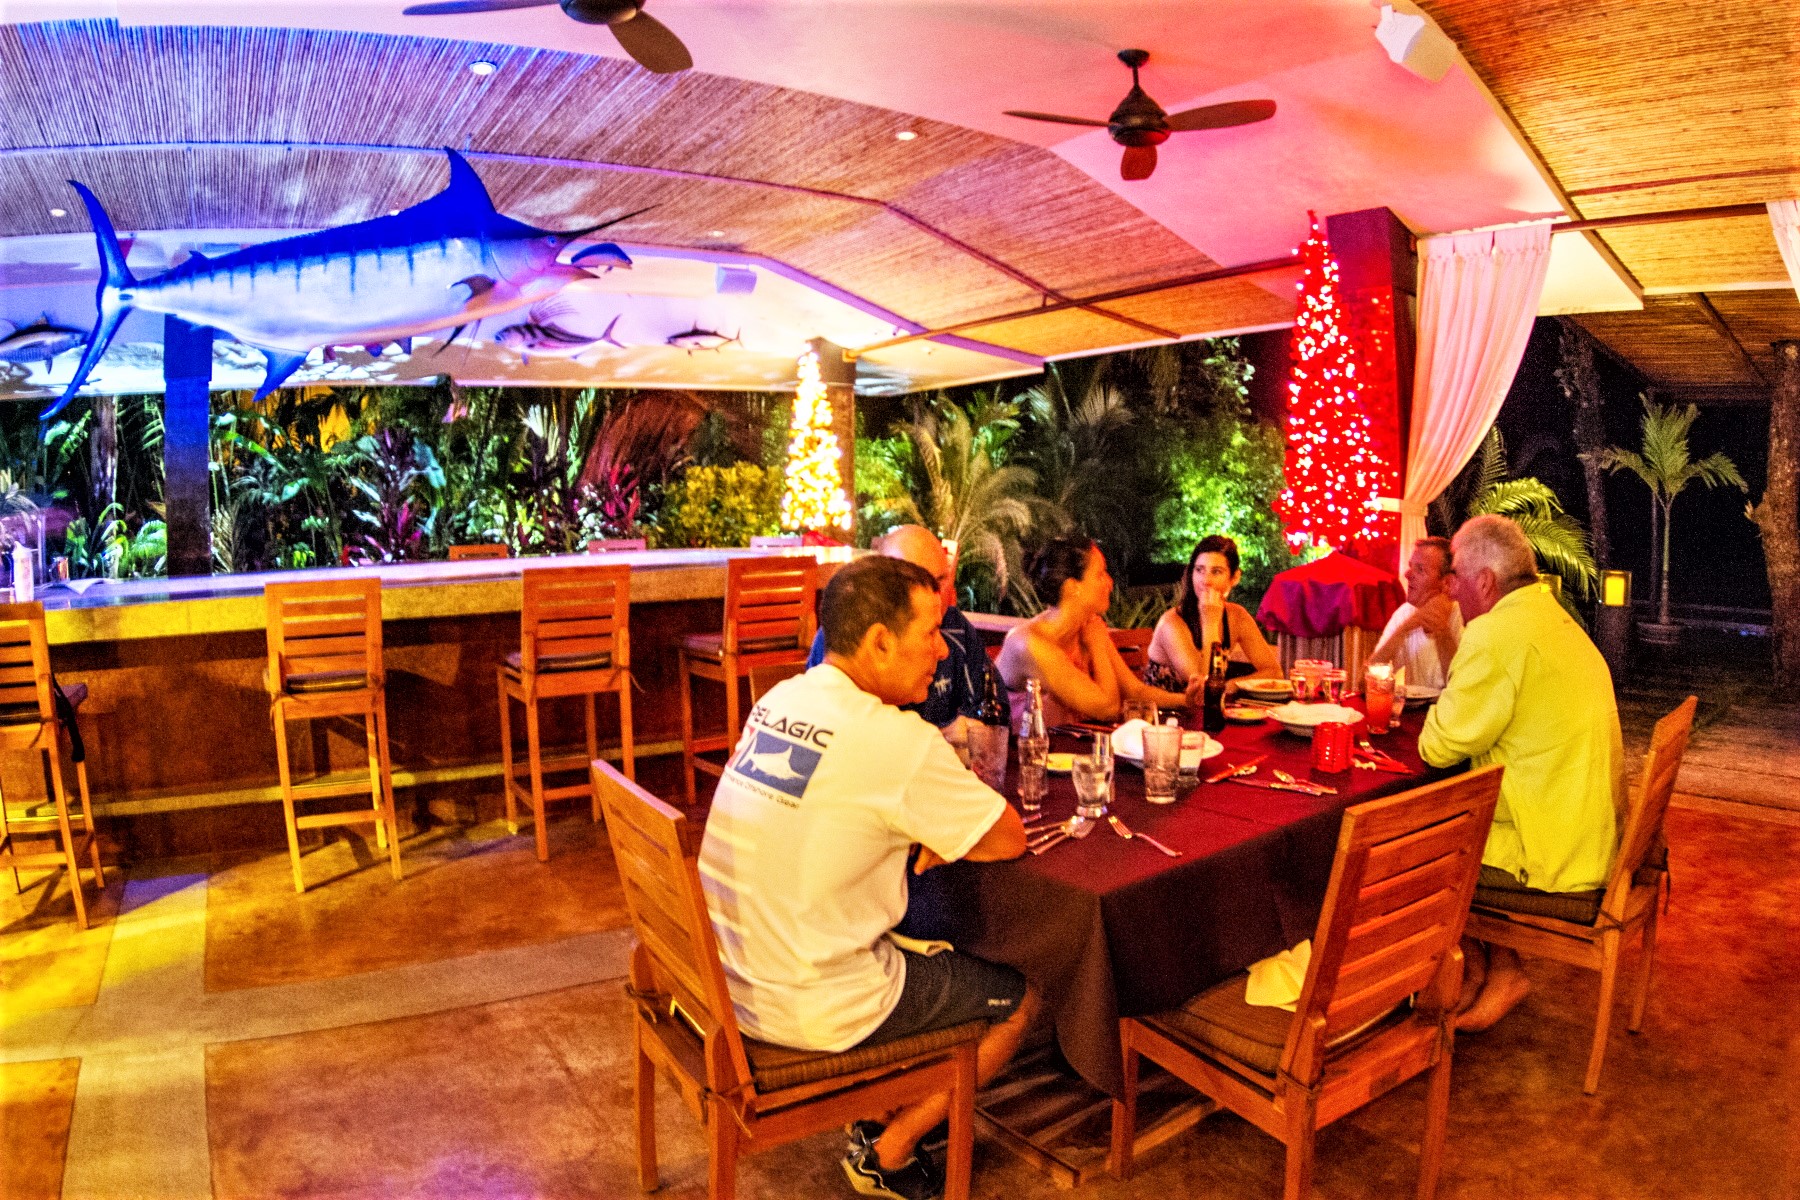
[{"x": 1212, "y": 717}]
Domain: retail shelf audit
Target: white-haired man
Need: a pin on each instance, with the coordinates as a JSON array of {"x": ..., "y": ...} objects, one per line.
[{"x": 1528, "y": 689}]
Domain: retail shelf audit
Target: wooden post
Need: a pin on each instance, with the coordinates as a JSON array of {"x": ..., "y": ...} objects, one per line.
[
  {"x": 187, "y": 420},
  {"x": 839, "y": 378},
  {"x": 1378, "y": 271},
  {"x": 103, "y": 455},
  {"x": 1777, "y": 515}
]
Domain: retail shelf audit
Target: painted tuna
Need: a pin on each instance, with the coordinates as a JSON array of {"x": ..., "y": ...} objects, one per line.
[
  {"x": 543, "y": 337},
  {"x": 40, "y": 341},
  {"x": 701, "y": 339},
  {"x": 449, "y": 260}
]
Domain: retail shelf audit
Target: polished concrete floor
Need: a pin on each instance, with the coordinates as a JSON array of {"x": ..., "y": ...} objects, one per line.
[{"x": 464, "y": 1034}]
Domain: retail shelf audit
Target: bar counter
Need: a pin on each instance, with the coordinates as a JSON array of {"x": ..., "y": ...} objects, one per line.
[{"x": 181, "y": 750}]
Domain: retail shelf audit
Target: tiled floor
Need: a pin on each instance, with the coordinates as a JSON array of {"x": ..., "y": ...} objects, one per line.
[{"x": 464, "y": 1034}]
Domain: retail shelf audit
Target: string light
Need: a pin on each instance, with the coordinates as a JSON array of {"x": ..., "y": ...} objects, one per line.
[
  {"x": 814, "y": 499},
  {"x": 1338, "y": 461}
]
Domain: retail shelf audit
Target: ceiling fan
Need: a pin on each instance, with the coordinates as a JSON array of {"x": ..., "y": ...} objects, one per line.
[
  {"x": 1140, "y": 125},
  {"x": 647, "y": 40}
]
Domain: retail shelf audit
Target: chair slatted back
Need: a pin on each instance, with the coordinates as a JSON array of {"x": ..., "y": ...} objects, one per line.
[
  {"x": 569, "y": 611},
  {"x": 609, "y": 545},
  {"x": 769, "y": 604},
  {"x": 661, "y": 882},
  {"x": 1399, "y": 893},
  {"x": 479, "y": 550},
  {"x": 25, "y": 660},
  {"x": 1134, "y": 646},
  {"x": 1644, "y": 817},
  {"x": 324, "y": 627}
]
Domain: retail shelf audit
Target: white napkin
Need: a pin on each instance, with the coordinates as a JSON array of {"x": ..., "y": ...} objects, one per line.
[
  {"x": 1128, "y": 739},
  {"x": 1275, "y": 981}
]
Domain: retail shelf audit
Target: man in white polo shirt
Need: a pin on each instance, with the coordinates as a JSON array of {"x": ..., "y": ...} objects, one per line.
[
  {"x": 804, "y": 861},
  {"x": 1423, "y": 634}
]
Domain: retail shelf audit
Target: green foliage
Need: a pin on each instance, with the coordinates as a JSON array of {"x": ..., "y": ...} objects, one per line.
[
  {"x": 885, "y": 470},
  {"x": 114, "y": 550},
  {"x": 719, "y": 506},
  {"x": 1559, "y": 539},
  {"x": 1225, "y": 474}
]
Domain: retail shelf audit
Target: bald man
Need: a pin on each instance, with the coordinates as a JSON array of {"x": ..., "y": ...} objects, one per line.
[{"x": 961, "y": 678}]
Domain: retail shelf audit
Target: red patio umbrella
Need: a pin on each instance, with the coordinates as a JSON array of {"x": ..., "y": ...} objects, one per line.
[{"x": 1323, "y": 598}]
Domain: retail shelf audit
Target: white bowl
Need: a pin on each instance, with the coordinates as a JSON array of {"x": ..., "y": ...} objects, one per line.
[{"x": 1304, "y": 718}]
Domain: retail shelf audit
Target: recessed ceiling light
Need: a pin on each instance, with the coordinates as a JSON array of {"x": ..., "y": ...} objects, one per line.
[
  {"x": 482, "y": 66},
  {"x": 393, "y": 212},
  {"x": 59, "y": 212},
  {"x": 906, "y": 135},
  {"x": 715, "y": 233}
]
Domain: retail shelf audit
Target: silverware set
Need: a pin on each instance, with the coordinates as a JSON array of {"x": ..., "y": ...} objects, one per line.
[{"x": 1046, "y": 835}]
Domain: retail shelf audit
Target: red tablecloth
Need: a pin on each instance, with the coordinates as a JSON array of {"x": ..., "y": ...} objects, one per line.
[
  {"x": 1323, "y": 598},
  {"x": 1105, "y": 927}
]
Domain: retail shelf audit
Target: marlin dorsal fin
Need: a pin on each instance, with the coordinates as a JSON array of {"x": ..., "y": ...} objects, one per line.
[{"x": 465, "y": 190}]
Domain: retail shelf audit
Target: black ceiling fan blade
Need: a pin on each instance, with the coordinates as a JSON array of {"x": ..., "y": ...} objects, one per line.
[
  {"x": 653, "y": 44},
  {"x": 1138, "y": 162},
  {"x": 448, "y": 8},
  {"x": 1060, "y": 120},
  {"x": 1222, "y": 116}
]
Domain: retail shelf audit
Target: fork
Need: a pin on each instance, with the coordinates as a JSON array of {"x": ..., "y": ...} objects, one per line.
[
  {"x": 1306, "y": 784},
  {"x": 1120, "y": 829}
]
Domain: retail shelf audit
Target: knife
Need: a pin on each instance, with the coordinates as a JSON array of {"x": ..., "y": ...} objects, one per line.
[
  {"x": 1240, "y": 769},
  {"x": 1305, "y": 789}
]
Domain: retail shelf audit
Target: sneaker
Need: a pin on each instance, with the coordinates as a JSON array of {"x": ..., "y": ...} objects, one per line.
[
  {"x": 933, "y": 1148},
  {"x": 914, "y": 1181},
  {"x": 862, "y": 1133}
]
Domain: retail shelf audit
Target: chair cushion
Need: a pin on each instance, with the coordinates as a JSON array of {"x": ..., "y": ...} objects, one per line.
[
  {"x": 712, "y": 645},
  {"x": 776, "y": 1067},
  {"x": 1253, "y": 1034},
  {"x": 19, "y": 714},
  {"x": 326, "y": 681},
  {"x": 1497, "y": 889},
  {"x": 549, "y": 664}
]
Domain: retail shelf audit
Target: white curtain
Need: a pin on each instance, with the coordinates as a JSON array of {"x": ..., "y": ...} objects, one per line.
[
  {"x": 1785, "y": 216},
  {"x": 1478, "y": 295}
]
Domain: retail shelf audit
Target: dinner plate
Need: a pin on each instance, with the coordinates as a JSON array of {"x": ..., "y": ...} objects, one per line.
[
  {"x": 1128, "y": 744},
  {"x": 1246, "y": 714},
  {"x": 1266, "y": 687},
  {"x": 1422, "y": 691},
  {"x": 1304, "y": 718},
  {"x": 1060, "y": 763}
]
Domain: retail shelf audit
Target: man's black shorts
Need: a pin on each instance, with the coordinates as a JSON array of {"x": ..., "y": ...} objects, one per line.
[{"x": 949, "y": 989}]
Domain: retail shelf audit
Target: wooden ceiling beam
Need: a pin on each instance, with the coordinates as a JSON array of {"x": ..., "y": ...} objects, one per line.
[{"x": 1731, "y": 339}]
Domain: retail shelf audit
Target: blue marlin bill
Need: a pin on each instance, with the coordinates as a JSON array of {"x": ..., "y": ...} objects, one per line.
[{"x": 447, "y": 261}]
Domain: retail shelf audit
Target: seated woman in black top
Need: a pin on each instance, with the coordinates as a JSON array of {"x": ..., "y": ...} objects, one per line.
[{"x": 1202, "y": 615}]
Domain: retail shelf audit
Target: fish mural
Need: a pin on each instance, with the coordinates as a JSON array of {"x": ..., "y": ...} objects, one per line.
[
  {"x": 702, "y": 339},
  {"x": 543, "y": 337},
  {"x": 447, "y": 261},
  {"x": 39, "y": 341}
]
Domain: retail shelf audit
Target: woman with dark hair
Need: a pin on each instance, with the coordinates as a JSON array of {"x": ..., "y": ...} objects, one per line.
[
  {"x": 1067, "y": 646},
  {"x": 1202, "y": 615}
]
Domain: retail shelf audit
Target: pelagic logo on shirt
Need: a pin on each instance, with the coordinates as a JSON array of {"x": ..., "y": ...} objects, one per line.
[{"x": 775, "y": 762}]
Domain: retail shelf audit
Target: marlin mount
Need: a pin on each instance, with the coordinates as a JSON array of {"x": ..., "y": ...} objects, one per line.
[{"x": 443, "y": 263}]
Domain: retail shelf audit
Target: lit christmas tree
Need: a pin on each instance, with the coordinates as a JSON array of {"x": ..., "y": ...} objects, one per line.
[
  {"x": 814, "y": 499},
  {"x": 1336, "y": 469}
]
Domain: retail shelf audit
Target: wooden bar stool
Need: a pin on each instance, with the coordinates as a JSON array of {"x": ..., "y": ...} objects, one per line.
[
  {"x": 479, "y": 550},
  {"x": 29, "y": 721},
  {"x": 575, "y": 640},
  {"x": 325, "y": 661},
  {"x": 769, "y": 622}
]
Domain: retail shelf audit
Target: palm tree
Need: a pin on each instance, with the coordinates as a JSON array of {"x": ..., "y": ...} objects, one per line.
[
  {"x": 1666, "y": 468},
  {"x": 1558, "y": 538}
]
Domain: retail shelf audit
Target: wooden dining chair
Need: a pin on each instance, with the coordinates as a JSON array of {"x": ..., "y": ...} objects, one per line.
[
  {"x": 325, "y": 661},
  {"x": 28, "y": 722},
  {"x": 479, "y": 550},
  {"x": 1590, "y": 929},
  {"x": 764, "y": 678},
  {"x": 1394, "y": 911},
  {"x": 1134, "y": 646},
  {"x": 610, "y": 545},
  {"x": 575, "y": 640},
  {"x": 749, "y": 1095},
  {"x": 769, "y": 622}
]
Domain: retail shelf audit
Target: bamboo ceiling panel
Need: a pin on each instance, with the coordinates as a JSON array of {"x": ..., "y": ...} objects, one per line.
[
  {"x": 1672, "y": 342},
  {"x": 1698, "y": 99},
  {"x": 1211, "y": 307},
  {"x": 1695, "y": 256},
  {"x": 978, "y": 223},
  {"x": 1070, "y": 331},
  {"x": 1759, "y": 319}
]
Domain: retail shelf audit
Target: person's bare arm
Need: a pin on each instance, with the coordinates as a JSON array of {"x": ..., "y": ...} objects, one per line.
[
  {"x": 1434, "y": 619},
  {"x": 1247, "y": 633},
  {"x": 1028, "y": 655},
  {"x": 1004, "y": 839},
  {"x": 1180, "y": 654}
]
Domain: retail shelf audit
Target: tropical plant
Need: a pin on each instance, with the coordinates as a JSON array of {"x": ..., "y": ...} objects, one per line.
[
  {"x": 719, "y": 506},
  {"x": 971, "y": 496},
  {"x": 1666, "y": 466},
  {"x": 110, "y": 549},
  {"x": 547, "y": 476},
  {"x": 1558, "y": 538},
  {"x": 1225, "y": 472},
  {"x": 397, "y": 469}
]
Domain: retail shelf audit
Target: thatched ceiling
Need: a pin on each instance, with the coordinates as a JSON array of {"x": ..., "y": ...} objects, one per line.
[{"x": 1656, "y": 105}]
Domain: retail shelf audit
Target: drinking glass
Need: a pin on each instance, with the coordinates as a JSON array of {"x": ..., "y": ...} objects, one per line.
[
  {"x": 1034, "y": 752},
  {"x": 1162, "y": 762},
  {"x": 987, "y": 754},
  {"x": 1193, "y": 746},
  {"x": 1102, "y": 756},
  {"x": 1378, "y": 696},
  {"x": 1300, "y": 678},
  {"x": 1331, "y": 685},
  {"x": 1139, "y": 710},
  {"x": 1092, "y": 787}
]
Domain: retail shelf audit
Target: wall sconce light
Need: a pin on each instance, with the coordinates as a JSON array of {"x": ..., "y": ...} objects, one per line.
[
  {"x": 1413, "y": 41},
  {"x": 1615, "y": 589},
  {"x": 1551, "y": 582}
]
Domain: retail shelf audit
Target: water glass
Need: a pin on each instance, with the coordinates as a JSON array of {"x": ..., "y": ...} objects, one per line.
[
  {"x": 1162, "y": 762},
  {"x": 987, "y": 754},
  {"x": 1092, "y": 787},
  {"x": 1139, "y": 710},
  {"x": 1102, "y": 756},
  {"x": 1193, "y": 747},
  {"x": 1034, "y": 752},
  {"x": 1331, "y": 685}
]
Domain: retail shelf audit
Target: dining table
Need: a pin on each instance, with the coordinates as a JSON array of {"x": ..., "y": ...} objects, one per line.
[{"x": 1105, "y": 927}]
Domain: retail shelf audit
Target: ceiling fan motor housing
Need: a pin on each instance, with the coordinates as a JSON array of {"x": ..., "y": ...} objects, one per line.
[
  {"x": 600, "y": 12},
  {"x": 1138, "y": 121}
]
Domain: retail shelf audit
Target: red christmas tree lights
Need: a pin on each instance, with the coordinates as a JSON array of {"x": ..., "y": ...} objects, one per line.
[{"x": 1336, "y": 468}]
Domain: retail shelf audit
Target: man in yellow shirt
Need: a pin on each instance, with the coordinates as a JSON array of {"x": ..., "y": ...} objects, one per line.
[{"x": 1528, "y": 689}]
